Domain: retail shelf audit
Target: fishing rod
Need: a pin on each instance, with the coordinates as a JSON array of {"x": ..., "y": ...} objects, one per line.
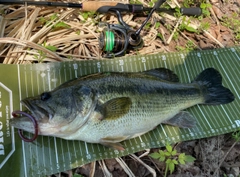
[
  {"x": 103, "y": 7},
  {"x": 115, "y": 39}
]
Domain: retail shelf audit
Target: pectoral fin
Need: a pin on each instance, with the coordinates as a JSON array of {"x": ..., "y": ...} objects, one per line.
[
  {"x": 113, "y": 142},
  {"x": 183, "y": 119},
  {"x": 115, "y": 108}
]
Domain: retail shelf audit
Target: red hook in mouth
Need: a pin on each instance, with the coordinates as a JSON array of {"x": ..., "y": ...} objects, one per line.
[{"x": 20, "y": 132}]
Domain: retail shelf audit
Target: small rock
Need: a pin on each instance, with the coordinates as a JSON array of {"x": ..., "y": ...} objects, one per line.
[{"x": 205, "y": 45}]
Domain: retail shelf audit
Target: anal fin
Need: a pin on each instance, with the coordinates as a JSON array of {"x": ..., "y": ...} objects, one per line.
[{"x": 183, "y": 120}]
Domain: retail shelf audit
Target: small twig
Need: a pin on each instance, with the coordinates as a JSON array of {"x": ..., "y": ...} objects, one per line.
[
  {"x": 156, "y": 165},
  {"x": 30, "y": 44},
  {"x": 175, "y": 1},
  {"x": 104, "y": 169},
  {"x": 175, "y": 29},
  {"x": 151, "y": 170},
  {"x": 92, "y": 169},
  {"x": 125, "y": 167},
  {"x": 190, "y": 40},
  {"x": 213, "y": 38},
  {"x": 213, "y": 13},
  {"x": 145, "y": 153}
]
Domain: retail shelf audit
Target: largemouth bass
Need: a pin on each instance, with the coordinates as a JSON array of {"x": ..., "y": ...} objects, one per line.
[{"x": 108, "y": 108}]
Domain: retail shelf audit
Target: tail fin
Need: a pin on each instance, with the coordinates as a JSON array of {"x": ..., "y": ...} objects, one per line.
[{"x": 214, "y": 93}]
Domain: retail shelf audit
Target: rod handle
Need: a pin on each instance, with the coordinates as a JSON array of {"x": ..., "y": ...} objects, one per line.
[{"x": 104, "y": 7}]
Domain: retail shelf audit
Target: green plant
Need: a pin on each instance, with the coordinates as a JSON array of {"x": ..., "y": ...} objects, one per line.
[
  {"x": 87, "y": 15},
  {"x": 177, "y": 12},
  {"x": 152, "y": 2},
  {"x": 61, "y": 25},
  {"x": 171, "y": 158},
  {"x": 160, "y": 36},
  {"x": 2, "y": 12},
  {"x": 50, "y": 47},
  {"x": 204, "y": 26},
  {"x": 157, "y": 25},
  {"x": 168, "y": 27},
  {"x": 134, "y": 2},
  {"x": 77, "y": 175},
  {"x": 205, "y": 9},
  {"x": 189, "y": 46},
  {"x": 175, "y": 35},
  {"x": 185, "y": 25},
  {"x": 188, "y": 3},
  {"x": 41, "y": 54},
  {"x": 49, "y": 20},
  {"x": 236, "y": 135},
  {"x": 232, "y": 22},
  {"x": 180, "y": 48},
  {"x": 147, "y": 26}
]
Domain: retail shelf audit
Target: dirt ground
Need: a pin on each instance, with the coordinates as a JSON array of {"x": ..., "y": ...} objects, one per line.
[{"x": 215, "y": 156}]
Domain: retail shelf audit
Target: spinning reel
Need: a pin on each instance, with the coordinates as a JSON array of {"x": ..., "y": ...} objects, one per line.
[{"x": 116, "y": 39}]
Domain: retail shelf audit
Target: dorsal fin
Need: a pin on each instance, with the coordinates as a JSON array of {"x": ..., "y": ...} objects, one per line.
[{"x": 163, "y": 73}]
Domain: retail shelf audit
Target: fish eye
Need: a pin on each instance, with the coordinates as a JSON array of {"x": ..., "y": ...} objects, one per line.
[{"x": 45, "y": 96}]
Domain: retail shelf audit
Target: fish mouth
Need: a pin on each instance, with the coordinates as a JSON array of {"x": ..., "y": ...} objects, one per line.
[
  {"x": 38, "y": 112},
  {"x": 30, "y": 122}
]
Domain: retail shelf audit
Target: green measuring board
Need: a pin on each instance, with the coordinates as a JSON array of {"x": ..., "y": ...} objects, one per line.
[{"x": 49, "y": 155}]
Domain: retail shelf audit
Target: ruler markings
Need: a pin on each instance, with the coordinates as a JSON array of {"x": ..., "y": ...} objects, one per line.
[
  {"x": 31, "y": 79},
  {"x": 233, "y": 73},
  {"x": 235, "y": 53},
  {"x": 58, "y": 71},
  {"x": 31, "y": 158},
  {"x": 170, "y": 62},
  {"x": 226, "y": 74},
  {"x": 22, "y": 142},
  {"x": 63, "y": 155},
  {"x": 159, "y": 133},
  {"x": 68, "y": 150},
  {"x": 54, "y": 138},
  {"x": 75, "y": 153}
]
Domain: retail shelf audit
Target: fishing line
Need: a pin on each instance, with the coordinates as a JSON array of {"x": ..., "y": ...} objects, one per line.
[{"x": 20, "y": 132}]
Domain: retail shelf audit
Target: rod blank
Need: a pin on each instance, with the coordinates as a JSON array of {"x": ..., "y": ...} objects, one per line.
[{"x": 41, "y": 3}]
